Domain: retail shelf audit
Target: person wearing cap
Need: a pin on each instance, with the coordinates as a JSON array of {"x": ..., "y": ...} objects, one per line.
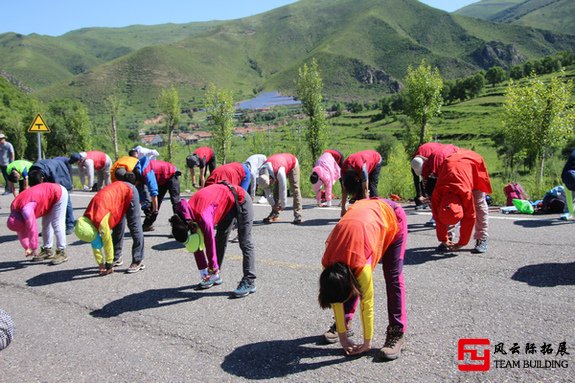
[
  {"x": 360, "y": 174},
  {"x": 213, "y": 206},
  {"x": 324, "y": 175},
  {"x": 140, "y": 151},
  {"x": 205, "y": 159},
  {"x": 372, "y": 231},
  {"x": 425, "y": 164},
  {"x": 235, "y": 173},
  {"x": 18, "y": 172},
  {"x": 104, "y": 222},
  {"x": 6, "y": 329},
  {"x": 254, "y": 162},
  {"x": 459, "y": 196},
  {"x": 274, "y": 172},
  {"x": 54, "y": 171},
  {"x": 6, "y": 157},
  {"x": 164, "y": 179},
  {"x": 49, "y": 201},
  {"x": 90, "y": 163}
]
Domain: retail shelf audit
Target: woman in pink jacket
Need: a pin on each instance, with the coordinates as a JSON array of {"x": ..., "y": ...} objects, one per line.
[
  {"x": 324, "y": 174},
  {"x": 46, "y": 200}
]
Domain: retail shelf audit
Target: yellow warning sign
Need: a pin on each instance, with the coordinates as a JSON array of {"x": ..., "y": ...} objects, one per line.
[{"x": 38, "y": 125}]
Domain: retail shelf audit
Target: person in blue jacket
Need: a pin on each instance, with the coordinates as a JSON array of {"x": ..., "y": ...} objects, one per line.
[{"x": 57, "y": 172}]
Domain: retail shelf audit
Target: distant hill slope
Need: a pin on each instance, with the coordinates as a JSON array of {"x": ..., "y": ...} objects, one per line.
[
  {"x": 363, "y": 49},
  {"x": 553, "y": 15}
]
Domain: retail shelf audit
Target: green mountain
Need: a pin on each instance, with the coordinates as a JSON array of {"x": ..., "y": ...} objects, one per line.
[
  {"x": 363, "y": 49},
  {"x": 553, "y": 15}
]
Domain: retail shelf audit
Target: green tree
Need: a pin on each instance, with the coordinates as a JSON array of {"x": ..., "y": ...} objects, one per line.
[
  {"x": 169, "y": 103},
  {"x": 309, "y": 86},
  {"x": 70, "y": 128},
  {"x": 495, "y": 75},
  {"x": 113, "y": 104},
  {"x": 538, "y": 117},
  {"x": 220, "y": 110},
  {"x": 423, "y": 86}
]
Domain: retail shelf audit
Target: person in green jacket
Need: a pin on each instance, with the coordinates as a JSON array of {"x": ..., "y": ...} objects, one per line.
[{"x": 18, "y": 172}]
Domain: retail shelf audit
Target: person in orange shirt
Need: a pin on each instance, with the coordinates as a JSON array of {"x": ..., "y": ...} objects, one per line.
[
  {"x": 459, "y": 196},
  {"x": 372, "y": 231}
]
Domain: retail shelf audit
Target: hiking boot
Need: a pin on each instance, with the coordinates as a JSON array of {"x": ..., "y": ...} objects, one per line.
[
  {"x": 331, "y": 335},
  {"x": 211, "y": 280},
  {"x": 104, "y": 270},
  {"x": 245, "y": 288},
  {"x": 60, "y": 257},
  {"x": 118, "y": 262},
  {"x": 480, "y": 246},
  {"x": 297, "y": 221},
  {"x": 394, "y": 342},
  {"x": 135, "y": 267},
  {"x": 442, "y": 248},
  {"x": 148, "y": 228},
  {"x": 45, "y": 253}
]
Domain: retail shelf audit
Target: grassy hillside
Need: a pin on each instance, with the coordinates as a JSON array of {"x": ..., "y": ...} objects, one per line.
[
  {"x": 553, "y": 15},
  {"x": 363, "y": 50}
]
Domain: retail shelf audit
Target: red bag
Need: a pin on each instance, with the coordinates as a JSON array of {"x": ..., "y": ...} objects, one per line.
[{"x": 514, "y": 191}]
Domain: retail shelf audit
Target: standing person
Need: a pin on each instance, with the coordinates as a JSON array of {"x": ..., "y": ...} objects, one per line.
[
  {"x": 373, "y": 231},
  {"x": 360, "y": 174},
  {"x": 274, "y": 172},
  {"x": 90, "y": 163},
  {"x": 235, "y": 173},
  {"x": 6, "y": 157},
  {"x": 104, "y": 222},
  {"x": 49, "y": 201},
  {"x": 18, "y": 172},
  {"x": 324, "y": 174},
  {"x": 166, "y": 180},
  {"x": 140, "y": 151},
  {"x": 205, "y": 159},
  {"x": 425, "y": 165},
  {"x": 255, "y": 162},
  {"x": 459, "y": 196},
  {"x": 217, "y": 205},
  {"x": 57, "y": 172}
]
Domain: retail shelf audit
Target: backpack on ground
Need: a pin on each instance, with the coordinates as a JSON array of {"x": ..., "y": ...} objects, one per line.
[
  {"x": 514, "y": 190},
  {"x": 554, "y": 201}
]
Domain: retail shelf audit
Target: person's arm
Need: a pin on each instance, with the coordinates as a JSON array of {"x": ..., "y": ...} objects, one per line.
[
  {"x": 328, "y": 186},
  {"x": 365, "y": 181},
  {"x": 339, "y": 315},
  {"x": 12, "y": 154},
  {"x": 343, "y": 200},
  {"x": 365, "y": 279},
  {"x": 203, "y": 172},
  {"x": 153, "y": 188},
  {"x": 29, "y": 239},
  {"x": 282, "y": 187},
  {"x": 317, "y": 190},
  {"x": 193, "y": 176},
  {"x": 206, "y": 225},
  {"x": 13, "y": 188},
  {"x": 106, "y": 233}
]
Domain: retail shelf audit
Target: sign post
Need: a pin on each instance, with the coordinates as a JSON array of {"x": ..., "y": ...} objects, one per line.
[{"x": 39, "y": 126}]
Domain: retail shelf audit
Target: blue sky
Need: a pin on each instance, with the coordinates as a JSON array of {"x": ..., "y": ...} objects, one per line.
[{"x": 56, "y": 17}]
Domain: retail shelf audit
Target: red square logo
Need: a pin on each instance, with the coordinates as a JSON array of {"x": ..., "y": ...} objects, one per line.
[{"x": 478, "y": 351}]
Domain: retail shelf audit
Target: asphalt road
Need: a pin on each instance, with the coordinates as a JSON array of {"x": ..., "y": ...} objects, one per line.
[{"x": 153, "y": 326}]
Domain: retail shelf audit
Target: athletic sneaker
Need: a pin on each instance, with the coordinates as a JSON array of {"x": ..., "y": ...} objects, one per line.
[
  {"x": 442, "y": 248},
  {"x": 430, "y": 223},
  {"x": 118, "y": 262},
  {"x": 60, "y": 257},
  {"x": 271, "y": 218},
  {"x": 297, "y": 221},
  {"x": 245, "y": 288},
  {"x": 45, "y": 253},
  {"x": 393, "y": 343},
  {"x": 135, "y": 267},
  {"x": 331, "y": 335},
  {"x": 103, "y": 270},
  {"x": 210, "y": 280},
  {"x": 480, "y": 246}
]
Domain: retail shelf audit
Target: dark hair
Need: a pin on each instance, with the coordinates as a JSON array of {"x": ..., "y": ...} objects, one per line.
[
  {"x": 337, "y": 284},
  {"x": 313, "y": 178},
  {"x": 129, "y": 177},
  {"x": 192, "y": 160},
  {"x": 14, "y": 176},
  {"x": 352, "y": 185},
  {"x": 179, "y": 228},
  {"x": 35, "y": 177},
  {"x": 133, "y": 153}
]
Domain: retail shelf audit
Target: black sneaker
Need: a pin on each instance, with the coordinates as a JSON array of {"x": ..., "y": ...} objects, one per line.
[
  {"x": 245, "y": 288},
  {"x": 442, "y": 248},
  {"x": 393, "y": 343},
  {"x": 331, "y": 335}
]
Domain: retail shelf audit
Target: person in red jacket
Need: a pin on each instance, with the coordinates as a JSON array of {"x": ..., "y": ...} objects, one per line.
[
  {"x": 235, "y": 173},
  {"x": 203, "y": 158},
  {"x": 217, "y": 205},
  {"x": 425, "y": 165},
  {"x": 373, "y": 231},
  {"x": 274, "y": 172},
  {"x": 360, "y": 175},
  {"x": 49, "y": 201},
  {"x": 104, "y": 222},
  {"x": 459, "y": 196}
]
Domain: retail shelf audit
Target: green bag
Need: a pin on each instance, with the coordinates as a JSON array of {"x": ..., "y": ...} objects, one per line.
[{"x": 523, "y": 206}]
